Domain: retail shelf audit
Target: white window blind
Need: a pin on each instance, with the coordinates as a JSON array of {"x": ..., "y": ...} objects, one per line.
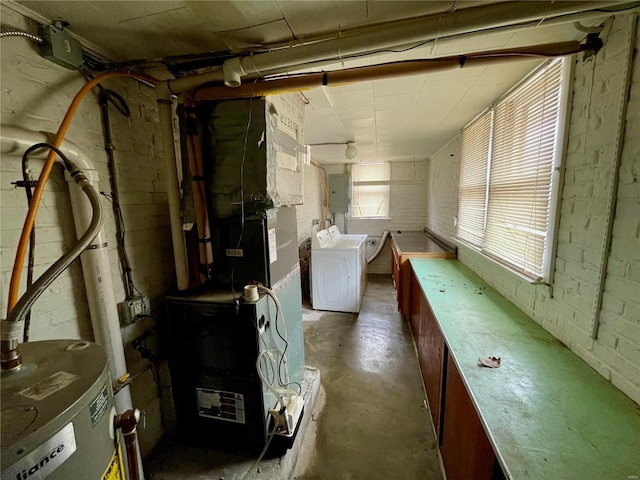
[
  {"x": 513, "y": 160},
  {"x": 371, "y": 190},
  {"x": 472, "y": 199}
]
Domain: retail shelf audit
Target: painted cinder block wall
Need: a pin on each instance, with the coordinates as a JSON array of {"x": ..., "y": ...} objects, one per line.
[
  {"x": 567, "y": 308},
  {"x": 35, "y": 94},
  {"x": 313, "y": 207}
]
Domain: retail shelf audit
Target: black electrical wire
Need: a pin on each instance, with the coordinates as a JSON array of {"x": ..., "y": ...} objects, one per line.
[
  {"x": 28, "y": 183},
  {"x": 32, "y": 241},
  {"x": 284, "y": 352},
  {"x": 107, "y": 97},
  {"x": 282, "y": 357},
  {"x": 242, "y": 220},
  {"x": 130, "y": 287}
]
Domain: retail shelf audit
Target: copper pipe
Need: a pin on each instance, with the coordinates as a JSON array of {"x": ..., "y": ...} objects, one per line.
[
  {"x": 326, "y": 191},
  {"x": 199, "y": 195},
  {"x": 387, "y": 70},
  {"x": 128, "y": 422}
]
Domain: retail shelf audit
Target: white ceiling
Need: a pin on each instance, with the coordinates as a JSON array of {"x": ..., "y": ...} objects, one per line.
[{"x": 402, "y": 119}]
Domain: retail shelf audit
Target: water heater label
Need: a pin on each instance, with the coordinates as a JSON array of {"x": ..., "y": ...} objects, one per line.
[
  {"x": 99, "y": 405},
  {"x": 49, "y": 386},
  {"x": 221, "y": 405},
  {"x": 115, "y": 469},
  {"x": 45, "y": 459}
]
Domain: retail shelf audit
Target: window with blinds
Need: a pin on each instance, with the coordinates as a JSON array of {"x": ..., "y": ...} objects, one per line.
[
  {"x": 371, "y": 189},
  {"x": 508, "y": 173}
]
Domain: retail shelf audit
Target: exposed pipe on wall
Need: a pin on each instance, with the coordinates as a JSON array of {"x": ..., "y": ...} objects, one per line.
[
  {"x": 164, "y": 96},
  {"x": 96, "y": 265},
  {"x": 615, "y": 174}
]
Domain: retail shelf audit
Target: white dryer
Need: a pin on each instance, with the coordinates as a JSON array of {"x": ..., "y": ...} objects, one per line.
[{"x": 338, "y": 272}]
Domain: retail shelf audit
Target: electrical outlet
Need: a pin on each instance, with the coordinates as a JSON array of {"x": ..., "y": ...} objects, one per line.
[{"x": 132, "y": 309}]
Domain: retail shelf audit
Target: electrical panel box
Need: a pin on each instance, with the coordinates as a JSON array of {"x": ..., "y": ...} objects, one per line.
[
  {"x": 339, "y": 192},
  {"x": 61, "y": 48}
]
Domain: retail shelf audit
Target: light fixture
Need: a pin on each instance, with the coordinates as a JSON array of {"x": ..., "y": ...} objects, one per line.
[{"x": 350, "y": 152}]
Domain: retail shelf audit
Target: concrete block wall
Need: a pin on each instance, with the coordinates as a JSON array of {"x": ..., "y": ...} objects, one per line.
[
  {"x": 313, "y": 207},
  {"x": 567, "y": 308},
  {"x": 35, "y": 94},
  {"x": 443, "y": 174}
]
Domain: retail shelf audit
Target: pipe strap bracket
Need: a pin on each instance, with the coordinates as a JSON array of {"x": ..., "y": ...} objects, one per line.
[{"x": 95, "y": 246}]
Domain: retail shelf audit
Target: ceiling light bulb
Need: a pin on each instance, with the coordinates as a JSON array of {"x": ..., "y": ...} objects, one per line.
[{"x": 351, "y": 150}]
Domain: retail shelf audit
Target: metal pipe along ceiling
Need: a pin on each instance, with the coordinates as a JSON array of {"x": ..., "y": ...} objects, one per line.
[
  {"x": 390, "y": 35},
  {"x": 387, "y": 70}
]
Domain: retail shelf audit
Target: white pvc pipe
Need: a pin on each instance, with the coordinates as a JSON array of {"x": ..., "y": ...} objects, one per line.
[
  {"x": 507, "y": 16},
  {"x": 96, "y": 267},
  {"x": 404, "y": 32},
  {"x": 165, "y": 111}
]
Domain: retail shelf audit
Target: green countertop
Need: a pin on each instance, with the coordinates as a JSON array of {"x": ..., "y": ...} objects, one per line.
[{"x": 546, "y": 412}]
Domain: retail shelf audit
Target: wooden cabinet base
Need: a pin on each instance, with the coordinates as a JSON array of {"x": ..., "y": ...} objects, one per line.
[{"x": 466, "y": 451}]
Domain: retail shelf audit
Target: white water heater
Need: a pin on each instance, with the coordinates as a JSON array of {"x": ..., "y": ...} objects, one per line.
[{"x": 57, "y": 414}]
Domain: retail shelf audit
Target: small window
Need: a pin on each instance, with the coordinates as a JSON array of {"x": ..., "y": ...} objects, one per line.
[
  {"x": 509, "y": 174},
  {"x": 371, "y": 190}
]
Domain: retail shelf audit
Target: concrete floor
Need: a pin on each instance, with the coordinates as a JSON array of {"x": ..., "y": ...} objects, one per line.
[
  {"x": 370, "y": 421},
  {"x": 375, "y": 424}
]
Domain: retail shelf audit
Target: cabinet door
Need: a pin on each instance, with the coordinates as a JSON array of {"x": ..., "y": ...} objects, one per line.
[
  {"x": 429, "y": 346},
  {"x": 415, "y": 309},
  {"x": 432, "y": 359},
  {"x": 466, "y": 451},
  {"x": 395, "y": 270}
]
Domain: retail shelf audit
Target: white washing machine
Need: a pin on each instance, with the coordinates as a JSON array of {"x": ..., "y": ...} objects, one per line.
[
  {"x": 334, "y": 231},
  {"x": 338, "y": 272}
]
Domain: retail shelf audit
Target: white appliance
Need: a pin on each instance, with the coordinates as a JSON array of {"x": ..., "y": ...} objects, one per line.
[
  {"x": 338, "y": 271},
  {"x": 334, "y": 231}
]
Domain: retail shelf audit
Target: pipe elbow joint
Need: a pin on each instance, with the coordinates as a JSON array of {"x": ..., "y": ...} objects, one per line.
[
  {"x": 233, "y": 72},
  {"x": 9, "y": 355}
]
